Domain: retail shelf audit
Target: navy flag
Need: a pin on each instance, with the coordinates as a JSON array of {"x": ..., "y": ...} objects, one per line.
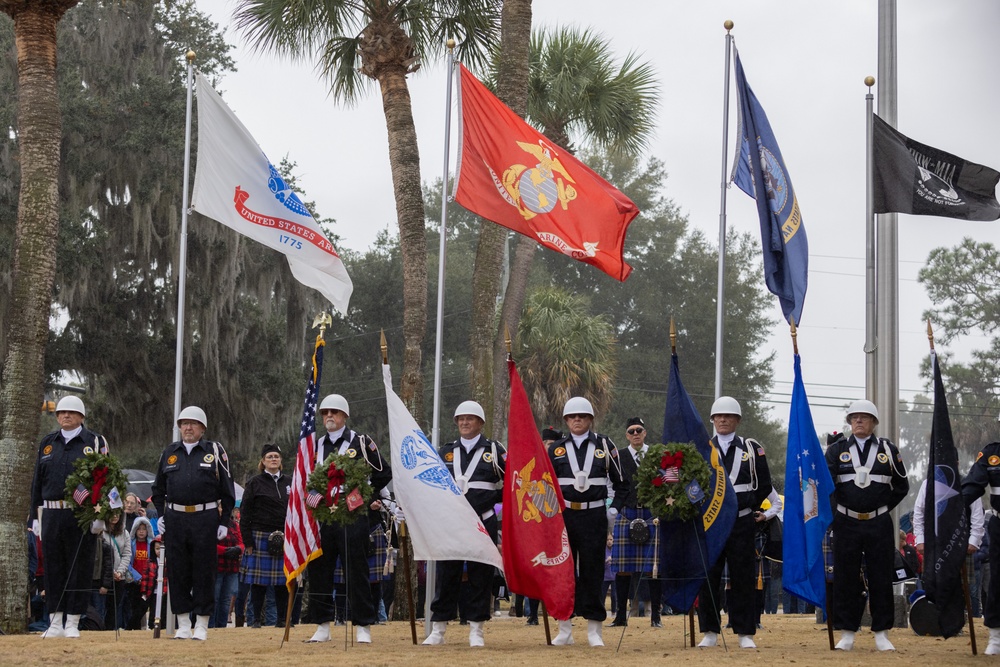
[
  {"x": 946, "y": 525},
  {"x": 782, "y": 235},
  {"x": 688, "y": 550},
  {"x": 807, "y": 507},
  {"x": 911, "y": 177}
]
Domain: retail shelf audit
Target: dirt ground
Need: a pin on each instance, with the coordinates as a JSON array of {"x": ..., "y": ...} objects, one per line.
[{"x": 785, "y": 640}]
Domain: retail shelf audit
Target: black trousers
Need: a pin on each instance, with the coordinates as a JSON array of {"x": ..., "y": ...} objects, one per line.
[
  {"x": 588, "y": 536},
  {"x": 626, "y": 586},
  {"x": 190, "y": 541},
  {"x": 873, "y": 539},
  {"x": 741, "y": 597},
  {"x": 69, "y": 562},
  {"x": 258, "y": 595},
  {"x": 479, "y": 586},
  {"x": 350, "y": 544},
  {"x": 991, "y": 609}
]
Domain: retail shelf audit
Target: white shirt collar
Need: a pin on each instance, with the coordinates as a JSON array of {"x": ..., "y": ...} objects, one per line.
[
  {"x": 578, "y": 439},
  {"x": 332, "y": 437},
  {"x": 69, "y": 435},
  {"x": 468, "y": 444},
  {"x": 725, "y": 441},
  {"x": 189, "y": 446}
]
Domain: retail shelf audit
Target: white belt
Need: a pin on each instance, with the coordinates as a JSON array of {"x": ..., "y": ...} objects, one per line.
[
  {"x": 742, "y": 488},
  {"x": 571, "y": 481},
  {"x": 744, "y": 512},
  {"x": 56, "y": 505},
  {"x": 486, "y": 515},
  {"x": 995, "y": 490},
  {"x": 484, "y": 486},
  {"x": 192, "y": 508},
  {"x": 584, "y": 506},
  {"x": 880, "y": 479},
  {"x": 862, "y": 516}
]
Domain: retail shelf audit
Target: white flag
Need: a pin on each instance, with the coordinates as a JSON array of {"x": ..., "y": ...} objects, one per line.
[
  {"x": 441, "y": 522},
  {"x": 236, "y": 185}
]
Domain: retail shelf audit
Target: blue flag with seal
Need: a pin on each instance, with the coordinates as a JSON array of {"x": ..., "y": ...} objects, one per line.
[
  {"x": 782, "y": 235},
  {"x": 689, "y": 549},
  {"x": 807, "y": 508}
]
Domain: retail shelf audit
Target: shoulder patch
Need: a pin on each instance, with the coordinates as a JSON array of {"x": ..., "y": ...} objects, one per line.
[
  {"x": 760, "y": 451},
  {"x": 372, "y": 446},
  {"x": 614, "y": 452},
  {"x": 978, "y": 456},
  {"x": 845, "y": 456},
  {"x": 559, "y": 451}
]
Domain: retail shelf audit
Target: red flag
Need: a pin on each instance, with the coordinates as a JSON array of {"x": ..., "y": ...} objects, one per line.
[
  {"x": 536, "y": 556},
  {"x": 509, "y": 173}
]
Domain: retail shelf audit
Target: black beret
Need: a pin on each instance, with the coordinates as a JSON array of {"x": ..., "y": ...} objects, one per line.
[
  {"x": 550, "y": 433},
  {"x": 269, "y": 447},
  {"x": 635, "y": 421}
]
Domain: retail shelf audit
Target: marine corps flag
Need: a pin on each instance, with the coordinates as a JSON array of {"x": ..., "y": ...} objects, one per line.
[
  {"x": 911, "y": 177},
  {"x": 537, "y": 560},
  {"x": 509, "y": 173}
]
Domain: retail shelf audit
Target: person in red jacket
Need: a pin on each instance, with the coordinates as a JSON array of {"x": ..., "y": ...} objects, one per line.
[
  {"x": 147, "y": 585},
  {"x": 227, "y": 578}
]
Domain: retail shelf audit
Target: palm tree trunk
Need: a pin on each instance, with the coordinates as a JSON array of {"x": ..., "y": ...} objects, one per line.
[
  {"x": 39, "y": 131},
  {"x": 404, "y": 160},
  {"x": 512, "y": 90}
]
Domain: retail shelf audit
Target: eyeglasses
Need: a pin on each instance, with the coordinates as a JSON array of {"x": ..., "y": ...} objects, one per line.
[
  {"x": 273, "y": 456},
  {"x": 635, "y": 431}
]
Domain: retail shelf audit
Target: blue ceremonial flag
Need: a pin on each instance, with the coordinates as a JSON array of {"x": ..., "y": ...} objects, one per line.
[
  {"x": 688, "y": 550},
  {"x": 782, "y": 235},
  {"x": 807, "y": 508}
]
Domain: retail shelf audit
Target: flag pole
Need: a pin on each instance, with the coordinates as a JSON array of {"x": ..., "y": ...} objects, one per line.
[
  {"x": 720, "y": 296},
  {"x": 871, "y": 335},
  {"x": 182, "y": 260}
]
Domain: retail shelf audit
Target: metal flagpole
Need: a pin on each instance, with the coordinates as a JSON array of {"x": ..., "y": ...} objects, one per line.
[
  {"x": 721, "y": 295},
  {"x": 439, "y": 338},
  {"x": 182, "y": 261},
  {"x": 871, "y": 332}
]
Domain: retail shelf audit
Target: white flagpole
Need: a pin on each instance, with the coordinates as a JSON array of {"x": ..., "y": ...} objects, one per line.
[
  {"x": 871, "y": 333},
  {"x": 721, "y": 295},
  {"x": 439, "y": 337},
  {"x": 182, "y": 260}
]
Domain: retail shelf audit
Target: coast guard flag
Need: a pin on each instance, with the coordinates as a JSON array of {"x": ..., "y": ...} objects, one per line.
[
  {"x": 782, "y": 236},
  {"x": 301, "y": 531},
  {"x": 441, "y": 522},
  {"x": 539, "y": 563},
  {"x": 508, "y": 172},
  {"x": 689, "y": 549},
  {"x": 911, "y": 177},
  {"x": 236, "y": 185},
  {"x": 807, "y": 507},
  {"x": 946, "y": 525}
]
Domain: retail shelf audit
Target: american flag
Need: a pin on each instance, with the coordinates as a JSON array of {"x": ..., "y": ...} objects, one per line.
[
  {"x": 81, "y": 494},
  {"x": 671, "y": 475},
  {"x": 301, "y": 530}
]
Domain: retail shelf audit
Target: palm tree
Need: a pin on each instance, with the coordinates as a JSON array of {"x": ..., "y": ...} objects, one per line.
[
  {"x": 564, "y": 352},
  {"x": 39, "y": 131},
  {"x": 382, "y": 41}
]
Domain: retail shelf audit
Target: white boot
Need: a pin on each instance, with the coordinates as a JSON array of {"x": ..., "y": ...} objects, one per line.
[
  {"x": 72, "y": 628},
  {"x": 993, "y": 648},
  {"x": 436, "y": 636},
  {"x": 476, "y": 634},
  {"x": 364, "y": 635},
  {"x": 709, "y": 640},
  {"x": 200, "y": 628},
  {"x": 322, "y": 633},
  {"x": 846, "y": 642},
  {"x": 882, "y": 642},
  {"x": 183, "y": 627},
  {"x": 55, "y": 628},
  {"x": 565, "y": 636},
  {"x": 746, "y": 641},
  {"x": 594, "y": 633}
]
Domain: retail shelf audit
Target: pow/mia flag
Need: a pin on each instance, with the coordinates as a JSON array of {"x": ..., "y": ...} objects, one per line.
[{"x": 911, "y": 177}]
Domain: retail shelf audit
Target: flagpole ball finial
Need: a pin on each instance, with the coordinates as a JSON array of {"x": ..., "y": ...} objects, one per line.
[
  {"x": 190, "y": 55},
  {"x": 869, "y": 81},
  {"x": 450, "y": 43},
  {"x": 728, "y": 25}
]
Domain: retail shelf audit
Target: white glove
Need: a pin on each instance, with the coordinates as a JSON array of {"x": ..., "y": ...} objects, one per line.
[
  {"x": 161, "y": 525},
  {"x": 221, "y": 533},
  {"x": 398, "y": 515},
  {"x": 612, "y": 515},
  {"x": 36, "y": 528},
  {"x": 97, "y": 526}
]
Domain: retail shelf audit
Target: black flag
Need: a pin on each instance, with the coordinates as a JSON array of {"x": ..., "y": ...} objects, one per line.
[
  {"x": 946, "y": 526},
  {"x": 911, "y": 177}
]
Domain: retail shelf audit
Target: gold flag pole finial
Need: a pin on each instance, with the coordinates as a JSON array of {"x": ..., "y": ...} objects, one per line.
[
  {"x": 930, "y": 334},
  {"x": 385, "y": 348},
  {"x": 506, "y": 340},
  {"x": 795, "y": 335},
  {"x": 322, "y": 321},
  {"x": 728, "y": 25},
  {"x": 673, "y": 337}
]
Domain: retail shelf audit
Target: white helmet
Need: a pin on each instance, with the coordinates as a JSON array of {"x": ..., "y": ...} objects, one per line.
[
  {"x": 71, "y": 404},
  {"x": 336, "y": 402},
  {"x": 862, "y": 407},
  {"x": 194, "y": 413},
  {"x": 470, "y": 408},
  {"x": 726, "y": 405},
  {"x": 578, "y": 405}
]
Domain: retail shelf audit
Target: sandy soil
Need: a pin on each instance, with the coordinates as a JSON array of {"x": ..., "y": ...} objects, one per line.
[{"x": 785, "y": 640}]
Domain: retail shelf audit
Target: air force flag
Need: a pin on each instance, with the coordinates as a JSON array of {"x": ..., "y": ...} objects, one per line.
[{"x": 236, "y": 185}]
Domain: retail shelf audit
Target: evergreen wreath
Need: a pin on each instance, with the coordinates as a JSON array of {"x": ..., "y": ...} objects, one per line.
[
  {"x": 665, "y": 477},
  {"x": 334, "y": 480},
  {"x": 96, "y": 480}
]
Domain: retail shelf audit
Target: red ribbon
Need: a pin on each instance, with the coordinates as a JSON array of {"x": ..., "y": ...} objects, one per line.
[
  {"x": 100, "y": 477},
  {"x": 672, "y": 460},
  {"x": 336, "y": 478}
]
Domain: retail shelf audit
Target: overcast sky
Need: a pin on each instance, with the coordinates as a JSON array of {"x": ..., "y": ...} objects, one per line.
[{"x": 806, "y": 62}]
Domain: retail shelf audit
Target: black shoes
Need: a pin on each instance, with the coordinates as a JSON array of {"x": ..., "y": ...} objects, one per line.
[
  {"x": 618, "y": 624},
  {"x": 532, "y": 621},
  {"x": 655, "y": 623}
]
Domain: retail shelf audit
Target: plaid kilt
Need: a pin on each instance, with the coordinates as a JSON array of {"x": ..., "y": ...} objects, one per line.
[
  {"x": 260, "y": 567},
  {"x": 376, "y": 557},
  {"x": 626, "y": 556}
]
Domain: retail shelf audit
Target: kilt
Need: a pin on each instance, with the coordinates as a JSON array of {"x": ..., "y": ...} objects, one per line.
[
  {"x": 376, "y": 557},
  {"x": 260, "y": 567},
  {"x": 628, "y": 557}
]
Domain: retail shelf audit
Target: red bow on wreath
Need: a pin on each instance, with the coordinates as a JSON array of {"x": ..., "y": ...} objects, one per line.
[
  {"x": 672, "y": 460},
  {"x": 336, "y": 478},
  {"x": 100, "y": 476}
]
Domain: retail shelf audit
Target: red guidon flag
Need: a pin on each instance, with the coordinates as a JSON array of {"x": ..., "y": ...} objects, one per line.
[
  {"x": 509, "y": 173},
  {"x": 536, "y": 555}
]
